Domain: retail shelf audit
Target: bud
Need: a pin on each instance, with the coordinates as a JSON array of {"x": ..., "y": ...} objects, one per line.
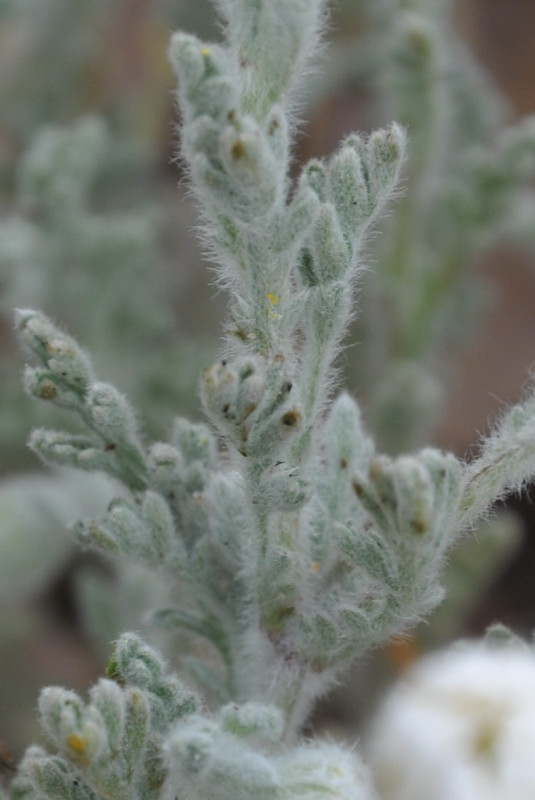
[{"x": 62, "y": 356}]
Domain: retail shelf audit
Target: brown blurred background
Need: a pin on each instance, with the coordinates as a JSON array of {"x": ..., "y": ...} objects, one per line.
[{"x": 497, "y": 365}]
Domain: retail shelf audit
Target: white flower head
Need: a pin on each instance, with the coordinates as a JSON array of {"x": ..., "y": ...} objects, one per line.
[{"x": 460, "y": 727}]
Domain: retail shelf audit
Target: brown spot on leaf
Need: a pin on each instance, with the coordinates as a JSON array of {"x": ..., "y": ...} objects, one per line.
[
  {"x": 291, "y": 418},
  {"x": 238, "y": 150},
  {"x": 47, "y": 390}
]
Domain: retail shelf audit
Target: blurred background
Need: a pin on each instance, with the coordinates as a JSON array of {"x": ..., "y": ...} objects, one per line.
[{"x": 98, "y": 231}]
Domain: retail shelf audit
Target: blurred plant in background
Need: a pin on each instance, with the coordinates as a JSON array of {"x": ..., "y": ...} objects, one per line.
[
  {"x": 467, "y": 185},
  {"x": 63, "y": 234}
]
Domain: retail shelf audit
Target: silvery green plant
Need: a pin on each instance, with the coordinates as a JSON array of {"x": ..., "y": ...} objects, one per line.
[{"x": 293, "y": 546}]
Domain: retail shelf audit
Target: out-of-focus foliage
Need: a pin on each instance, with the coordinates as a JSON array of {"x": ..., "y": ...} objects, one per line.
[
  {"x": 76, "y": 246},
  {"x": 468, "y": 183},
  {"x": 61, "y": 59}
]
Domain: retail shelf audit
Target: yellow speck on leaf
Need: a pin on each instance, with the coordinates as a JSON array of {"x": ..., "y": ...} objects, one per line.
[
  {"x": 314, "y": 566},
  {"x": 53, "y": 346},
  {"x": 273, "y": 300},
  {"x": 80, "y": 749},
  {"x": 205, "y": 51},
  {"x": 76, "y": 742},
  {"x": 238, "y": 149},
  {"x": 47, "y": 390}
]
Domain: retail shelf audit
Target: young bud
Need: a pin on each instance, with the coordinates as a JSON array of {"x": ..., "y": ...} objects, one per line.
[
  {"x": 49, "y": 777},
  {"x": 166, "y": 467},
  {"x": 76, "y": 729},
  {"x": 348, "y": 190},
  {"x": 506, "y": 461},
  {"x": 231, "y": 393},
  {"x": 253, "y": 720},
  {"x": 206, "y": 87},
  {"x": 111, "y": 415},
  {"x": 63, "y": 449},
  {"x": 254, "y": 182},
  {"x": 284, "y": 490},
  {"x": 67, "y": 362},
  {"x": 42, "y": 383},
  {"x": 149, "y": 535},
  {"x": 195, "y": 441},
  {"x": 328, "y": 247},
  {"x": 414, "y": 498},
  {"x": 229, "y": 520},
  {"x": 298, "y": 217},
  {"x": 135, "y": 663},
  {"x": 325, "y": 770},
  {"x": 314, "y": 176},
  {"x": 163, "y": 543},
  {"x": 208, "y": 762}
]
